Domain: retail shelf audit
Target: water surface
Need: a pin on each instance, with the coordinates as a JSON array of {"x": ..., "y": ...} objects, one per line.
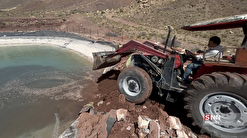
[{"x": 35, "y": 83}]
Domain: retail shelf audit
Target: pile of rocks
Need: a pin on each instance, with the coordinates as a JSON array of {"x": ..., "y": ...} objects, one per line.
[
  {"x": 165, "y": 127},
  {"x": 143, "y": 3},
  {"x": 99, "y": 124}
]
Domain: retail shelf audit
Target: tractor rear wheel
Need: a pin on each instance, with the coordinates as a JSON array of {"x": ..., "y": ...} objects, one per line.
[
  {"x": 135, "y": 83},
  {"x": 217, "y": 103}
]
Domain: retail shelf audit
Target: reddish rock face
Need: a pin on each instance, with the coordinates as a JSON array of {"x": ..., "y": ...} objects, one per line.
[
  {"x": 162, "y": 119},
  {"x": 143, "y": 122},
  {"x": 154, "y": 129},
  {"x": 95, "y": 124},
  {"x": 174, "y": 123},
  {"x": 87, "y": 125}
]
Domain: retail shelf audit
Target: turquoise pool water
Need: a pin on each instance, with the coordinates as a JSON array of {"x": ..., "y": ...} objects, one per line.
[{"x": 35, "y": 83}]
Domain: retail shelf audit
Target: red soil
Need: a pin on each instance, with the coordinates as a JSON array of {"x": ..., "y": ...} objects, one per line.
[{"x": 106, "y": 90}]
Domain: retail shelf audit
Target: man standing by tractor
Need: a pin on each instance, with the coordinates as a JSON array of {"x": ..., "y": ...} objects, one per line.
[{"x": 214, "y": 51}]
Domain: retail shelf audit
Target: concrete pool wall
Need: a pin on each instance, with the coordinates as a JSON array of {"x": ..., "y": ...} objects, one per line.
[{"x": 84, "y": 47}]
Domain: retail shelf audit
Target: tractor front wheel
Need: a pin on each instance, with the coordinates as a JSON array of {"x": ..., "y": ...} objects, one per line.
[
  {"x": 135, "y": 83},
  {"x": 217, "y": 103}
]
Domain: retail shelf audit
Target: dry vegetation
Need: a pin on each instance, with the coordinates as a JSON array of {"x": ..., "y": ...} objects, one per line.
[
  {"x": 153, "y": 18},
  {"x": 135, "y": 19}
]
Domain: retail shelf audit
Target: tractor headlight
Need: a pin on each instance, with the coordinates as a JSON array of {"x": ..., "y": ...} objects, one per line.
[{"x": 154, "y": 59}]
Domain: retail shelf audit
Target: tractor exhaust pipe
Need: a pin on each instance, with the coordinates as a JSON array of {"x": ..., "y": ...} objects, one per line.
[
  {"x": 167, "y": 38},
  {"x": 173, "y": 41}
]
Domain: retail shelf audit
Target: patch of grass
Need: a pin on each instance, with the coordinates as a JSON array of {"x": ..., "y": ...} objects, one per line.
[
  {"x": 139, "y": 36},
  {"x": 143, "y": 33},
  {"x": 193, "y": 42},
  {"x": 111, "y": 34},
  {"x": 149, "y": 37},
  {"x": 213, "y": 33},
  {"x": 152, "y": 34},
  {"x": 73, "y": 11},
  {"x": 162, "y": 36},
  {"x": 2, "y": 23},
  {"x": 223, "y": 35},
  {"x": 235, "y": 44},
  {"x": 205, "y": 36},
  {"x": 195, "y": 49},
  {"x": 184, "y": 39}
]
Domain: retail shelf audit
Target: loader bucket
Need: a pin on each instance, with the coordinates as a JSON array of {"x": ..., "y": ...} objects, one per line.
[{"x": 105, "y": 59}]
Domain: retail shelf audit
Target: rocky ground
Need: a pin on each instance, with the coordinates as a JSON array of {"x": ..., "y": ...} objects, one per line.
[{"x": 153, "y": 118}]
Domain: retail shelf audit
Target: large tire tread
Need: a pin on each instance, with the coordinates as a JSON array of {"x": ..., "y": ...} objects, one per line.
[
  {"x": 147, "y": 84},
  {"x": 217, "y": 81}
]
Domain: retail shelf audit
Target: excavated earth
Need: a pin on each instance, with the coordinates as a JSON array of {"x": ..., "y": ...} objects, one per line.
[{"x": 106, "y": 100}]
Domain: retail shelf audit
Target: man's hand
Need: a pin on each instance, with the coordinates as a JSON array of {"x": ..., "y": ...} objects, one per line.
[
  {"x": 199, "y": 52},
  {"x": 194, "y": 56},
  {"x": 189, "y": 53}
]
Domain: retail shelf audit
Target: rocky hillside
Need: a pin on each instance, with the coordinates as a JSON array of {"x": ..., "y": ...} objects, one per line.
[
  {"x": 158, "y": 13},
  {"x": 148, "y": 19},
  {"x": 135, "y": 19},
  {"x": 7, "y": 4},
  {"x": 57, "y": 5}
]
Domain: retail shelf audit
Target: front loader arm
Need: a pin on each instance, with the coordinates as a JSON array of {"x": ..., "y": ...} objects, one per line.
[
  {"x": 109, "y": 58},
  {"x": 131, "y": 46}
]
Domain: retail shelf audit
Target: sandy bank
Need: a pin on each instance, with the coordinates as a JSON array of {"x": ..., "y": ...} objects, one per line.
[{"x": 84, "y": 47}]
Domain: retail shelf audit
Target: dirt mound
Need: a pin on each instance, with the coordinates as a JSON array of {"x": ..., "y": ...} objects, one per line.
[{"x": 107, "y": 98}]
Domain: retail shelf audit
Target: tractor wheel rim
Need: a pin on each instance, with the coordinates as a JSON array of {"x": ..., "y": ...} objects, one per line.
[
  {"x": 228, "y": 111},
  {"x": 131, "y": 86}
]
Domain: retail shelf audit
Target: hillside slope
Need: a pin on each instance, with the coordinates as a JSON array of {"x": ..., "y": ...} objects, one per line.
[
  {"x": 135, "y": 19},
  {"x": 57, "y": 5},
  {"x": 180, "y": 12},
  {"x": 4, "y": 4},
  {"x": 148, "y": 19}
]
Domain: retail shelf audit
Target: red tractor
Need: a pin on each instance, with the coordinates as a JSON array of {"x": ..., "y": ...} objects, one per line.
[{"x": 216, "y": 100}]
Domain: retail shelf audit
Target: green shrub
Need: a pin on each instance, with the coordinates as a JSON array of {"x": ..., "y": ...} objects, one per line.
[{"x": 143, "y": 34}]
